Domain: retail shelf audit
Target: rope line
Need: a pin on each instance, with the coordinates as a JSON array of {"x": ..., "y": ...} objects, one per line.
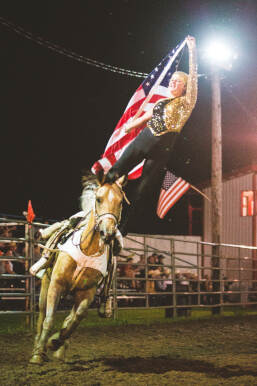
[{"x": 68, "y": 53}]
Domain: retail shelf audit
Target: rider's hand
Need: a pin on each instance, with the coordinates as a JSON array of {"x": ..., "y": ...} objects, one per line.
[
  {"x": 127, "y": 128},
  {"x": 190, "y": 41}
]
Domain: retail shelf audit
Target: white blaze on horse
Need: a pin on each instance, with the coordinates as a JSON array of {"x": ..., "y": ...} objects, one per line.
[{"x": 103, "y": 203}]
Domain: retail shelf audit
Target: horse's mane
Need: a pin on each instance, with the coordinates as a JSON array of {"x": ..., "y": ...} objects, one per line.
[
  {"x": 88, "y": 178},
  {"x": 89, "y": 182}
]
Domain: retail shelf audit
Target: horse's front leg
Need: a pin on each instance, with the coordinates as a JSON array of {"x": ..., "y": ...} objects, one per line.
[
  {"x": 53, "y": 297},
  {"x": 42, "y": 306},
  {"x": 83, "y": 299},
  {"x": 59, "y": 341}
]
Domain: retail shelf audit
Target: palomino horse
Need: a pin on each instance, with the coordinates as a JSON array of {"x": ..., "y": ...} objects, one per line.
[{"x": 105, "y": 204}]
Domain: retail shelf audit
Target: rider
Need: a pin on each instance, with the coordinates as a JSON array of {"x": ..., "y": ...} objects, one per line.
[
  {"x": 58, "y": 233},
  {"x": 164, "y": 123},
  {"x": 54, "y": 233}
]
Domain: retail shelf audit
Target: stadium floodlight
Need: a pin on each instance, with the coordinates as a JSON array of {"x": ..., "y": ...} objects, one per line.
[{"x": 219, "y": 54}]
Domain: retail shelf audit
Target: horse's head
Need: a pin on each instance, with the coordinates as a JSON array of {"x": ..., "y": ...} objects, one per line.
[{"x": 108, "y": 207}]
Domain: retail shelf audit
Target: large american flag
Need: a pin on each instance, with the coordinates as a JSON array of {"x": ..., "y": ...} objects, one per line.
[
  {"x": 172, "y": 190},
  {"x": 153, "y": 88}
]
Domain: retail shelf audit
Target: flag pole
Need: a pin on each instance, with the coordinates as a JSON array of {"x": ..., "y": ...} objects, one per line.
[
  {"x": 200, "y": 192},
  {"x": 149, "y": 96}
]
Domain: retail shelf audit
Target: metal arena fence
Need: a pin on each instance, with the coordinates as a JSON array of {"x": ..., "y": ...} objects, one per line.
[{"x": 177, "y": 274}]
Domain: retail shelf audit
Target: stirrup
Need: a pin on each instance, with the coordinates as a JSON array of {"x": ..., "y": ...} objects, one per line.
[{"x": 40, "y": 273}]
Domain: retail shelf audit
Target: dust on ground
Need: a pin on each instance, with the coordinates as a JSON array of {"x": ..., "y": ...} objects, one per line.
[{"x": 220, "y": 351}]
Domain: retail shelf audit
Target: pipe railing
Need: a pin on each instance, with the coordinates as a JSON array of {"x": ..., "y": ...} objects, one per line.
[{"x": 190, "y": 291}]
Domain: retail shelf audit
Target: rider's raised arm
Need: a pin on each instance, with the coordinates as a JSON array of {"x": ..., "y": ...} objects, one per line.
[{"x": 191, "y": 92}]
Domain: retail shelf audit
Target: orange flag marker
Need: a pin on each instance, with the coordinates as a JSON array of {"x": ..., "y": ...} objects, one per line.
[{"x": 30, "y": 215}]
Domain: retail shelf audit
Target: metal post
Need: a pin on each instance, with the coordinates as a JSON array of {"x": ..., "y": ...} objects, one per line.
[
  {"x": 216, "y": 180},
  {"x": 146, "y": 275},
  {"x": 199, "y": 276},
  {"x": 27, "y": 265},
  {"x": 239, "y": 274},
  {"x": 173, "y": 264},
  {"x": 32, "y": 279},
  {"x": 114, "y": 291},
  {"x": 254, "y": 230}
]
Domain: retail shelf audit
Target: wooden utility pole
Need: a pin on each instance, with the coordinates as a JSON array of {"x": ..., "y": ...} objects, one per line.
[
  {"x": 254, "y": 230},
  {"x": 216, "y": 180}
]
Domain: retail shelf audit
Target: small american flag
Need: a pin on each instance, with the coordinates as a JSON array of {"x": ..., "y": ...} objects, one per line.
[
  {"x": 153, "y": 88},
  {"x": 172, "y": 190}
]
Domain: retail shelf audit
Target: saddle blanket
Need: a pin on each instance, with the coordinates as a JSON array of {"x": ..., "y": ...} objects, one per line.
[{"x": 72, "y": 247}]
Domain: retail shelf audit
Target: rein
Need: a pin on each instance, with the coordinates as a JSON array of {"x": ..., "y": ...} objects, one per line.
[
  {"x": 112, "y": 216},
  {"x": 100, "y": 218},
  {"x": 123, "y": 193}
]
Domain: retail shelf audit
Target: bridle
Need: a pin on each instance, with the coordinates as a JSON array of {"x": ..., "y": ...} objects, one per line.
[{"x": 101, "y": 217}]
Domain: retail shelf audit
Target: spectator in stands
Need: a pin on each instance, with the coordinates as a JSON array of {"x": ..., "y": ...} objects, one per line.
[
  {"x": 153, "y": 273},
  {"x": 161, "y": 285},
  {"x": 37, "y": 252},
  {"x": 226, "y": 287},
  {"x": 6, "y": 266},
  {"x": 6, "y": 231},
  {"x": 14, "y": 248},
  {"x": 127, "y": 271},
  {"x": 152, "y": 261},
  {"x": 160, "y": 261},
  {"x": 3, "y": 233},
  {"x": 206, "y": 286},
  {"x": 153, "y": 269},
  {"x": 9, "y": 264},
  {"x": 140, "y": 273},
  {"x": 130, "y": 272}
]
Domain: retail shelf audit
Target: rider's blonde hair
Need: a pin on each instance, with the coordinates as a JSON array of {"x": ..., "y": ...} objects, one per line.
[{"x": 181, "y": 75}]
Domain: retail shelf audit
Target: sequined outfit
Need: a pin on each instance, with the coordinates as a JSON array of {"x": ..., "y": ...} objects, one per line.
[
  {"x": 170, "y": 115},
  {"x": 156, "y": 141}
]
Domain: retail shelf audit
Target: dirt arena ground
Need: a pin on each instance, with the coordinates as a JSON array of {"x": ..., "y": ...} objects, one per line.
[{"x": 220, "y": 351}]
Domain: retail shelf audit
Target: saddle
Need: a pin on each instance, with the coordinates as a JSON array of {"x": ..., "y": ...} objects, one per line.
[{"x": 56, "y": 233}]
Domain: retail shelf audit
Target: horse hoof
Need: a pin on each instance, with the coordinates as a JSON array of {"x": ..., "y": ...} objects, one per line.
[
  {"x": 60, "y": 354},
  {"x": 38, "y": 359},
  {"x": 101, "y": 311},
  {"x": 54, "y": 343},
  {"x": 105, "y": 310}
]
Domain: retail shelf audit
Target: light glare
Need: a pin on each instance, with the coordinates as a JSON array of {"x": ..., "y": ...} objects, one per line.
[{"x": 220, "y": 53}]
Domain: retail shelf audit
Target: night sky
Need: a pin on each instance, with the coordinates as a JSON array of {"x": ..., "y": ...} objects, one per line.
[{"x": 58, "y": 113}]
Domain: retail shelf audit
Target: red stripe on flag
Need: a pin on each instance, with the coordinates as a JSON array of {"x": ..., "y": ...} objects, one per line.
[
  {"x": 172, "y": 197},
  {"x": 172, "y": 191},
  {"x": 171, "y": 200}
]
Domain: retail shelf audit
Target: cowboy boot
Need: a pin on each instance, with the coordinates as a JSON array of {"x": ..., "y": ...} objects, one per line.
[{"x": 39, "y": 265}]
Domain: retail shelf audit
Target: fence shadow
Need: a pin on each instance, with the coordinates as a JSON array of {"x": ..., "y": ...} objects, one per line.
[{"x": 163, "y": 364}]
